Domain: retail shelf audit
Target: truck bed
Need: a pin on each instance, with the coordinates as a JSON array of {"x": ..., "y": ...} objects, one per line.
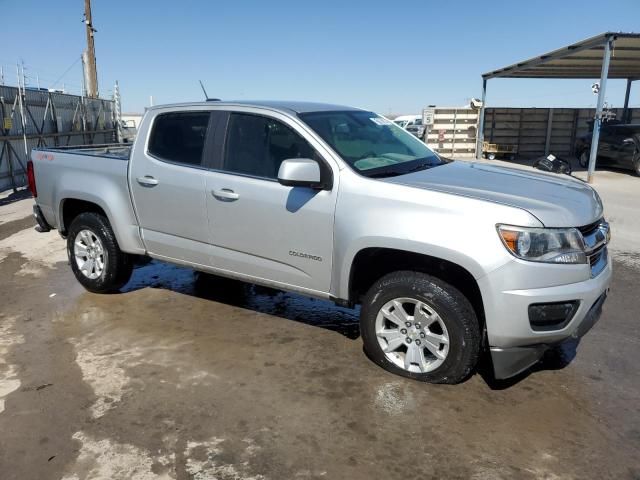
[
  {"x": 111, "y": 150},
  {"x": 97, "y": 174}
]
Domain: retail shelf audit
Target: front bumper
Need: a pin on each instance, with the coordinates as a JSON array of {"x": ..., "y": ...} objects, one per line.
[
  {"x": 508, "y": 362},
  {"x": 513, "y": 343}
]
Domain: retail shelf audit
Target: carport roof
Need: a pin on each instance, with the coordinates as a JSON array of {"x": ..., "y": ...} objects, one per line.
[{"x": 581, "y": 60}]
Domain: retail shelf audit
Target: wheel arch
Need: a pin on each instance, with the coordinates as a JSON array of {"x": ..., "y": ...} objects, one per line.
[
  {"x": 73, "y": 203},
  {"x": 371, "y": 263},
  {"x": 70, "y": 208}
]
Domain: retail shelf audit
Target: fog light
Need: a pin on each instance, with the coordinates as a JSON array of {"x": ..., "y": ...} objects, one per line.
[{"x": 552, "y": 316}]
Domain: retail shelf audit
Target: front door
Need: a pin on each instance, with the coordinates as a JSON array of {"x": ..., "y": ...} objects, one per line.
[{"x": 259, "y": 228}]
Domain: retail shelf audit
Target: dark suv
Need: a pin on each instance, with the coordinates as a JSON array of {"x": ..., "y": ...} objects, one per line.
[{"x": 619, "y": 146}]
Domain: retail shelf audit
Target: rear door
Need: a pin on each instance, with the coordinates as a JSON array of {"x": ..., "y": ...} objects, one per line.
[
  {"x": 168, "y": 187},
  {"x": 626, "y": 147},
  {"x": 262, "y": 229}
]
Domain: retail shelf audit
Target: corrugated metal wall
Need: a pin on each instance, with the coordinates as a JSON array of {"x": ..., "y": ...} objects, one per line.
[
  {"x": 50, "y": 119},
  {"x": 536, "y": 131}
]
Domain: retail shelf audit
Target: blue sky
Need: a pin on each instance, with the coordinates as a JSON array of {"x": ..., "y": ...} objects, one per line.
[{"x": 389, "y": 56}]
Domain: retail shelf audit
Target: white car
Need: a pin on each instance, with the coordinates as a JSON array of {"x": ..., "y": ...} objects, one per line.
[{"x": 404, "y": 121}]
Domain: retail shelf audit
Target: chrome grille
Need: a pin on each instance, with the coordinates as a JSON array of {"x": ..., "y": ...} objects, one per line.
[{"x": 596, "y": 236}]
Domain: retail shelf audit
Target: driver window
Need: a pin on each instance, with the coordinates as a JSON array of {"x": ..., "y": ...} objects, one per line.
[{"x": 257, "y": 145}]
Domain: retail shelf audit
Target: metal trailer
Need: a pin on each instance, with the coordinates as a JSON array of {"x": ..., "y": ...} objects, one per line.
[{"x": 493, "y": 150}]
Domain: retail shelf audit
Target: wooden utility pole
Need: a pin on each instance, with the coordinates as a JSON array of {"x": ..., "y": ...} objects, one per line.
[{"x": 91, "y": 73}]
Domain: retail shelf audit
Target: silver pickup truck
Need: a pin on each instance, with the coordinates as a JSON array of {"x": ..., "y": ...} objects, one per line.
[{"x": 448, "y": 259}]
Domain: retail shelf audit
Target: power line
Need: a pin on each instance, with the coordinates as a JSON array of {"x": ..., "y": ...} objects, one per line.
[{"x": 66, "y": 71}]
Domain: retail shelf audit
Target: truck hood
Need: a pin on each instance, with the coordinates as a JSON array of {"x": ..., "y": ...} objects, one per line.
[{"x": 556, "y": 200}]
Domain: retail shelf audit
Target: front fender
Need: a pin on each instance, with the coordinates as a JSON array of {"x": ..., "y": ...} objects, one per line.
[
  {"x": 455, "y": 228},
  {"x": 343, "y": 275}
]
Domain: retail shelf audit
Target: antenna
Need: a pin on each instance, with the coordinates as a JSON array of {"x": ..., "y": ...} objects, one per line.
[{"x": 206, "y": 97}]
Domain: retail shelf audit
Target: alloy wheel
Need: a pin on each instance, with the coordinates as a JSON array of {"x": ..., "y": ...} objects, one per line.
[
  {"x": 89, "y": 254},
  {"x": 412, "y": 335}
]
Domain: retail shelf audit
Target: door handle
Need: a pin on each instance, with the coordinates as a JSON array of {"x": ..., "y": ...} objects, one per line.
[
  {"x": 225, "y": 194},
  {"x": 147, "y": 181}
]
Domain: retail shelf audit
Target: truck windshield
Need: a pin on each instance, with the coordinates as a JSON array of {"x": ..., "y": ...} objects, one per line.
[{"x": 370, "y": 144}]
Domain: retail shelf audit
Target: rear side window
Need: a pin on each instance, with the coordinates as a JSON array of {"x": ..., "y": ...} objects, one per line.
[
  {"x": 257, "y": 145},
  {"x": 179, "y": 137}
]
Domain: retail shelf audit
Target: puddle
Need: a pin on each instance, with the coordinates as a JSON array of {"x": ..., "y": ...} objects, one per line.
[{"x": 311, "y": 311}]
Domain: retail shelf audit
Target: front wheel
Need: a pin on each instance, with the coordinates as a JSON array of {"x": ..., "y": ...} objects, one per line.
[
  {"x": 420, "y": 327},
  {"x": 95, "y": 258}
]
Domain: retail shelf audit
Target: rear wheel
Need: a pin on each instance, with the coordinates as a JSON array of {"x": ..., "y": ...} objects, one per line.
[
  {"x": 95, "y": 258},
  {"x": 420, "y": 327}
]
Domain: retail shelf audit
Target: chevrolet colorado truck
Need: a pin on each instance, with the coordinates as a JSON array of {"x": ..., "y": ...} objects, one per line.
[{"x": 448, "y": 259}]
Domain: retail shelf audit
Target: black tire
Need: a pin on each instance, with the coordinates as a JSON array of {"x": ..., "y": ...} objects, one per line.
[
  {"x": 636, "y": 163},
  {"x": 583, "y": 159},
  {"x": 118, "y": 265},
  {"x": 453, "y": 308}
]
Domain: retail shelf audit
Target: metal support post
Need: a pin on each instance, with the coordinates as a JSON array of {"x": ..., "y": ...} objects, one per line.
[
  {"x": 480, "y": 132},
  {"x": 593, "y": 154},
  {"x": 547, "y": 142},
  {"x": 625, "y": 109}
]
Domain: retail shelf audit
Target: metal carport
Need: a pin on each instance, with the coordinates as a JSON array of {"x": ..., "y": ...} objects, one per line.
[{"x": 609, "y": 55}]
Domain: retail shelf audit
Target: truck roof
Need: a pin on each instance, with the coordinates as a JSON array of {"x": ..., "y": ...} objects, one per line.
[{"x": 288, "y": 106}]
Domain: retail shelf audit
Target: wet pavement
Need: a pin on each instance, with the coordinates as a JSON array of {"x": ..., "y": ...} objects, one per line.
[{"x": 190, "y": 376}]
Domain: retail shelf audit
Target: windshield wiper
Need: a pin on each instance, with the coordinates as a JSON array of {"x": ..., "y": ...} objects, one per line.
[
  {"x": 392, "y": 173},
  {"x": 417, "y": 168},
  {"x": 395, "y": 173}
]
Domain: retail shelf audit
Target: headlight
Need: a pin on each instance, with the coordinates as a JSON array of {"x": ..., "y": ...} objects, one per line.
[{"x": 549, "y": 245}]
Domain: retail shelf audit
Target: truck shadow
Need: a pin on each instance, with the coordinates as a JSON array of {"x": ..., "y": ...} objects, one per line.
[
  {"x": 299, "y": 308},
  {"x": 310, "y": 311}
]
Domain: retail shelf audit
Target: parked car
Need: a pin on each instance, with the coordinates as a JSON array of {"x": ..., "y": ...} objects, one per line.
[
  {"x": 619, "y": 146},
  {"x": 417, "y": 130},
  {"x": 447, "y": 259},
  {"x": 128, "y": 131},
  {"x": 404, "y": 121},
  {"x": 412, "y": 124}
]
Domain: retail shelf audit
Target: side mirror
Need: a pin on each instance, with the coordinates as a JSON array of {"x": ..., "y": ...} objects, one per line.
[{"x": 300, "y": 172}]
